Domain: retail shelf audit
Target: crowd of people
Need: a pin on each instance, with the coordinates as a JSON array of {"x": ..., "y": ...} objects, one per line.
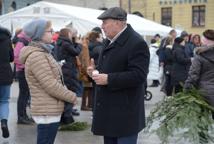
[
  {"x": 50, "y": 68},
  {"x": 172, "y": 57},
  {"x": 54, "y": 68}
]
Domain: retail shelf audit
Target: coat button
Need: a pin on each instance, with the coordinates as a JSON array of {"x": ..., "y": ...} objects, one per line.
[
  {"x": 104, "y": 57},
  {"x": 98, "y": 104}
]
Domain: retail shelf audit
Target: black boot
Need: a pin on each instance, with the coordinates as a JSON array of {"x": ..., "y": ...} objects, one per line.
[
  {"x": 155, "y": 83},
  {"x": 24, "y": 121},
  {"x": 4, "y": 128}
]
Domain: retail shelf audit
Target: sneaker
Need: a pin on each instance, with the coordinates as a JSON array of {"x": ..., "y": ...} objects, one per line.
[{"x": 4, "y": 128}]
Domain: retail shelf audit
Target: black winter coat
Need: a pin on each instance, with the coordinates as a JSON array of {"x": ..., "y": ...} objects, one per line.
[
  {"x": 181, "y": 65},
  {"x": 6, "y": 56},
  {"x": 119, "y": 106},
  {"x": 66, "y": 50},
  {"x": 168, "y": 61},
  {"x": 95, "y": 49}
]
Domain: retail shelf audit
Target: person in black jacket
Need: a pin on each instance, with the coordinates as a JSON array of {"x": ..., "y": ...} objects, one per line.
[
  {"x": 168, "y": 61},
  {"x": 65, "y": 52},
  {"x": 180, "y": 66},
  {"x": 95, "y": 45},
  {"x": 119, "y": 113},
  {"x": 6, "y": 78}
]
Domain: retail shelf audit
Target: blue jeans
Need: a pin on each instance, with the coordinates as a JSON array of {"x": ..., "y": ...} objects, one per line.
[
  {"x": 46, "y": 133},
  {"x": 121, "y": 140},
  {"x": 4, "y": 101}
]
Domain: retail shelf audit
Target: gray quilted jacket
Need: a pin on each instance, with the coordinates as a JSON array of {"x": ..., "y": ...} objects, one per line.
[{"x": 201, "y": 73}]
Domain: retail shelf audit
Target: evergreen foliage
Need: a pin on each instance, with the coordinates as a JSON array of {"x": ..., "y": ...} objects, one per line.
[
  {"x": 185, "y": 115},
  {"x": 76, "y": 126}
]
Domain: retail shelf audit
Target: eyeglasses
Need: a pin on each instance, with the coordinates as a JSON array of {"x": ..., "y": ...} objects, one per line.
[{"x": 50, "y": 31}]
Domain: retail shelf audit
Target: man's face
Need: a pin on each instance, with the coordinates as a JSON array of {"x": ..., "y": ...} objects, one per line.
[{"x": 110, "y": 27}]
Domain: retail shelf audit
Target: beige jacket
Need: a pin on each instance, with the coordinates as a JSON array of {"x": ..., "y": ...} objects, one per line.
[{"x": 43, "y": 75}]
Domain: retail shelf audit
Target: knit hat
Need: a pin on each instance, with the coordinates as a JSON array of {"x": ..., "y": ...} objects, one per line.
[
  {"x": 179, "y": 40},
  {"x": 35, "y": 29},
  {"x": 209, "y": 34}
]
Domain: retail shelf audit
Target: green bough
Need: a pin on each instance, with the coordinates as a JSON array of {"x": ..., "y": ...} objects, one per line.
[
  {"x": 76, "y": 126},
  {"x": 185, "y": 115}
]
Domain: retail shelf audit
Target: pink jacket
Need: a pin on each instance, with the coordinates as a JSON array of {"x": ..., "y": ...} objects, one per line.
[{"x": 18, "y": 47}]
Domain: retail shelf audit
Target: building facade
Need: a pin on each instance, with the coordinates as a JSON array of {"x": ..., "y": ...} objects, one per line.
[
  {"x": 96, "y": 4},
  {"x": 193, "y": 16},
  {"x": 7, "y": 6},
  {"x": 12, "y": 5}
]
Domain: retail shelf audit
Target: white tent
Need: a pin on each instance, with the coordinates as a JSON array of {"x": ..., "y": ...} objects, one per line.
[{"x": 83, "y": 19}]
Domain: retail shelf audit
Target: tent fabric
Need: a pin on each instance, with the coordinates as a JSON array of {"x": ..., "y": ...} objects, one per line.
[{"x": 83, "y": 19}]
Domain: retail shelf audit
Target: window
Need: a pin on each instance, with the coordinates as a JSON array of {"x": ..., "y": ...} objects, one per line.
[
  {"x": 36, "y": 10},
  {"x": 166, "y": 16},
  {"x": 198, "y": 16},
  {"x": 13, "y": 5},
  {"x": 46, "y": 10}
]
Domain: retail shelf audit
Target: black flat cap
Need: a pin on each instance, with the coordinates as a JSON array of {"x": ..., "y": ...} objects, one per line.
[{"x": 114, "y": 13}]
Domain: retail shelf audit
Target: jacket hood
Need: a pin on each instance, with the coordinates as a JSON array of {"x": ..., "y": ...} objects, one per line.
[
  {"x": 206, "y": 51},
  {"x": 27, "y": 51},
  {"x": 4, "y": 34},
  {"x": 203, "y": 49}
]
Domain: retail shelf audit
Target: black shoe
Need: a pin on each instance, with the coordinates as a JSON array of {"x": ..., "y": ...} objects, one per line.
[
  {"x": 66, "y": 120},
  {"x": 30, "y": 119},
  {"x": 153, "y": 85},
  {"x": 75, "y": 112},
  {"x": 4, "y": 128},
  {"x": 24, "y": 121}
]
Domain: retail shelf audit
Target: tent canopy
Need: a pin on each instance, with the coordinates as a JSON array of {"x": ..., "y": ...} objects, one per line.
[{"x": 83, "y": 19}]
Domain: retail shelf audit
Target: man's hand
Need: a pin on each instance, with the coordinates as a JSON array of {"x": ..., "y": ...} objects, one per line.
[
  {"x": 91, "y": 68},
  {"x": 100, "y": 79}
]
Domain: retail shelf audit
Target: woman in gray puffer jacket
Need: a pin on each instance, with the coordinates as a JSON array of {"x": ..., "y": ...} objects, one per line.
[{"x": 201, "y": 74}]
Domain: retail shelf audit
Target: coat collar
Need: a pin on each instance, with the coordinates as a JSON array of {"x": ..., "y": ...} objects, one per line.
[{"x": 120, "y": 40}]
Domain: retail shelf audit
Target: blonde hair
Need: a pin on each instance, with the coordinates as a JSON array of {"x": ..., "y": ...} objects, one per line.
[
  {"x": 169, "y": 40},
  {"x": 49, "y": 24}
]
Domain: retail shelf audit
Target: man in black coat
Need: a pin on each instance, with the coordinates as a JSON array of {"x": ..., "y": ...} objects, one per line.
[
  {"x": 119, "y": 113},
  {"x": 6, "y": 77}
]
